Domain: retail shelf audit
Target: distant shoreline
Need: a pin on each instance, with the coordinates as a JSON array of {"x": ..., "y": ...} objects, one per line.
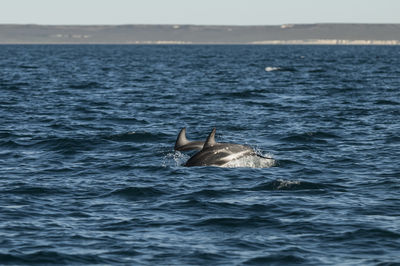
[
  {"x": 276, "y": 42},
  {"x": 287, "y": 34}
]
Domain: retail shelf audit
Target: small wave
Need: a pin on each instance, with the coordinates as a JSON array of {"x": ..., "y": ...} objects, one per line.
[
  {"x": 227, "y": 222},
  {"x": 261, "y": 208},
  {"x": 66, "y": 145},
  {"x": 51, "y": 257},
  {"x": 275, "y": 259},
  {"x": 28, "y": 67},
  {"x": 310, "y": 137},
  {"x": 85, "y": 85},
  {"x": 281, "y": 184},
  {"x": 137, "y": 193},
  {"x": 14, "y": 85},
  {"x": 10, "y": 88},
  {"x": 9, "y": 144},
  {"x": 199, "y": 258},
  {"x": 135, "y": 137},
  {"x": 387, "y": 102},
  {"x": 392, "y": 139},
  {"x": 34, "y": 190},
  {"x": 206, "y": 193},
  {"x": 372, "y": 233},
  {"x": 245, "y": 94},
  {"x": 360, "y": 235},
  {"x": 128, "y": 120},
  {"x": 119, "y": 225}
]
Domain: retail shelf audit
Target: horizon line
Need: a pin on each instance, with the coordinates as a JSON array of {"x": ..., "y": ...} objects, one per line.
[{"x": 213, "y": 25}]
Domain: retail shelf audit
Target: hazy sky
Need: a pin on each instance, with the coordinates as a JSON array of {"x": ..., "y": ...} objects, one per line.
[{"x": 214, "y": 12}]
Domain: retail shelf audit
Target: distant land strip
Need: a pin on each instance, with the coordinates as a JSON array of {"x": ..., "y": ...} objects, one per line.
[{"x": 287, "y": 34}]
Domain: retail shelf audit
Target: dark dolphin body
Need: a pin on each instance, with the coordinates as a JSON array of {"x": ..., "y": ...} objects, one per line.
[{"x": 212, "y": 153}]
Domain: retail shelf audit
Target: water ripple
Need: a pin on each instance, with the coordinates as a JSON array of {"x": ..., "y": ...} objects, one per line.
[{"x": 88, "y": 172}]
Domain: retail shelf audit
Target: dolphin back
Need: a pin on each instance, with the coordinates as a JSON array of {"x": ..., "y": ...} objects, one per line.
[
  {"x": 183, "y": 144},
  {"x": 212, "y": 153}
]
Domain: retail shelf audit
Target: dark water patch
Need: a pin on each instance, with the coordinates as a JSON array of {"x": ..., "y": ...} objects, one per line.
[
  {"x": 202, "y": 257},
  {"x": 137, "y": 193},
  {"x": 139, "y": 137},
  {"x": 382, "y": 210},
  {"x": 310, "y": 137},
  {"x": 251, "y": 102},
  {"x": 186, "y": 257},
  {"x": 68, "y": 145},
  {"x": 293, "y": 185},
  {"x": 261, "y": 208},
  {"x": 34, "y": 191},
  {"x": 243, "y": 244},
  {"x": 118, "y": 166},
  {"x": 9, "y": 144},
  {"x": 128, "y": 121},
  {"x": 392, "y": 139},
  {"x": 14, "y": 86},
  {"x": 6, "y": 154},
  {"x": 206, "y": 193},
  {"x": 206, "y": 256},
  {"x": 240, "y": 94},
  {"x": 122, "y": 251},
  {"x": 387, "y": 102},
  {"x": 60, "y": 126},
  {"x": 373, "y": 233},
  {"x": 185, "y": 204},
  {"x": 287, "y": 163},
  {"x": 125, "y": 225},
  {"x": 85, "y": 85},
  {"x": 359, "y": 236},
  {"x": 52, "y": 169},
  {"x": 234, "y": 222},
  {"x": 276, "y": 259},
  {"x": 52, "y": 257},
  {"x": 79, "y": 215},
  {"x": 204, "y": 206},
  {"x": 10, "y": 88},
  {"x": 28, "y": 67}
]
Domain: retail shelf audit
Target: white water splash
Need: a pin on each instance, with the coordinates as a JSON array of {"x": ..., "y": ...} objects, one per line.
[
  {"x": 175, "y": 158},
  {"x": 179, "y": 159},
  {"x": 251, "y": 162},
  {"x": 269, "y": 69}
]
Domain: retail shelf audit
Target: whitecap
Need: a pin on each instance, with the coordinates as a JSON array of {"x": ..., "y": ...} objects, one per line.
[{"x": 269, "y": 69}]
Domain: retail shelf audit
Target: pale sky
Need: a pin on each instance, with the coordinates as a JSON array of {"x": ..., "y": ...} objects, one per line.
[{"x": 204, "y": 12}]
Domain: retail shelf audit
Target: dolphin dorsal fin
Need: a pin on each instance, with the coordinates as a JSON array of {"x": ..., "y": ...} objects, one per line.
[
  {"x": 181, "y": 140},
  {"x": 210, "y": 139}
]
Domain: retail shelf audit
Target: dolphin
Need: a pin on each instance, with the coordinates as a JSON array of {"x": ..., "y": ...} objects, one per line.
[
  {"x": 219, "y": 154},
  {"x": 183, "y": 144}
]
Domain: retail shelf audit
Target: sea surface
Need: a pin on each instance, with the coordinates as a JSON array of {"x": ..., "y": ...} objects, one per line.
[{"x": 89, "y": 175}]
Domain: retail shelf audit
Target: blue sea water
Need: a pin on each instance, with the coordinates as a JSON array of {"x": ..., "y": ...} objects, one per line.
[{"x": 88, "y": 174}]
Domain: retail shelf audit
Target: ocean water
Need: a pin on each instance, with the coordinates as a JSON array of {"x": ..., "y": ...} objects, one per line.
[{"x": 88, "y": 173}]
